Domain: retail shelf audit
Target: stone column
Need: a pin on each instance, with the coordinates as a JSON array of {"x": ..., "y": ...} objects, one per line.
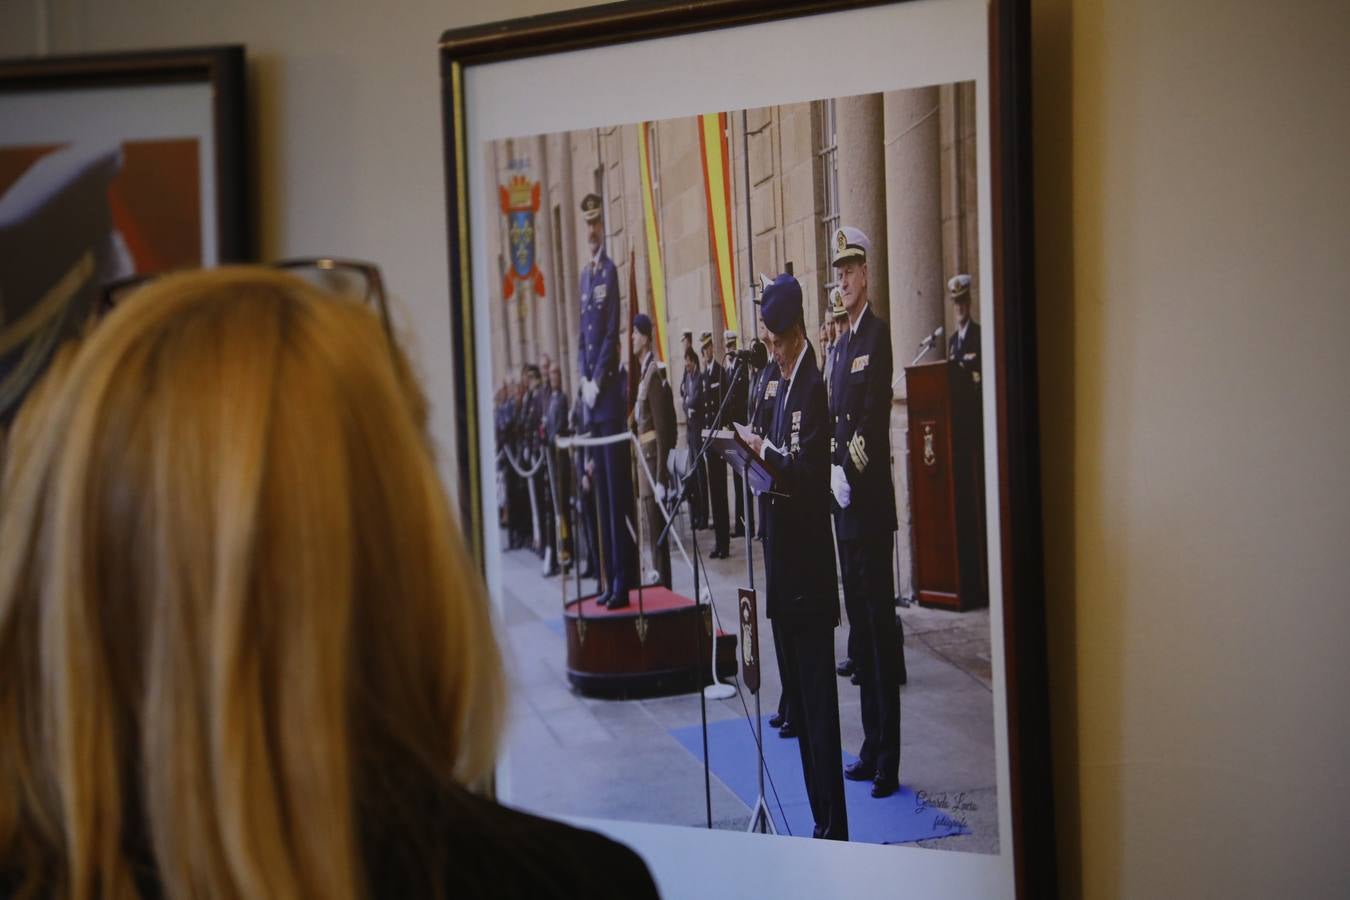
[
  {"x": 913, "y": 220},
  {"x": 862, "y": 185},
  {"x": 914, "y": 248},
  {"x": 568, "y": 268}
]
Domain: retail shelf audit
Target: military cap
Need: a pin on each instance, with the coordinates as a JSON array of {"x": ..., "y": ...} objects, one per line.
[
  {"x": 642, "y": 324},
  {"x": 532, "y": 370},
  {"x": 837, "y": 310},
  {"x": 781, "y": 304},
  {"x": 959, "y": 289},
  {"x": 590, "y": 207},
  {"x": 705, "y": 339},
  {"x": 729, "y": 337},
  {"x": 687, "y": 334},
  {"x": 850, "y": 243}
]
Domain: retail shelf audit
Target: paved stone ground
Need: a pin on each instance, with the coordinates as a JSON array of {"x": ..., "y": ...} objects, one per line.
[{"x": 572, "y": 755}]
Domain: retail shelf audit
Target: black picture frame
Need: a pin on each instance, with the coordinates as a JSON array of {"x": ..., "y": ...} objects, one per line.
[
  {"x": 222, "y": 67},
  {"x": 1019, "y": 518}
]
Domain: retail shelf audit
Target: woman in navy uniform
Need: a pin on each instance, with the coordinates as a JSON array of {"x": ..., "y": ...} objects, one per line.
[
  {"x": 602, "y": 390},
  {"x": 802, "y": 599},
  {"x": 860, "y": 479}
]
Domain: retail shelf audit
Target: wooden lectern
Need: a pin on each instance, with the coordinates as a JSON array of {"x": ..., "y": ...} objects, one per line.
[{"x": 946, "y": 486}]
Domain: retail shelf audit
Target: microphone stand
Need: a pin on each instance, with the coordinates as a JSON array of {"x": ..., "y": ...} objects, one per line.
[
  {"x": 716, "y": 690},
  {"x": 760, "y": 819}
]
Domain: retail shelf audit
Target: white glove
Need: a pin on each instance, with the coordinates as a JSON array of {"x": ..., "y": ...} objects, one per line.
[
  {"x": 659, "y": 490},
  {"x": 589, "y": 391},
  {"x": 839, "y": 486}
]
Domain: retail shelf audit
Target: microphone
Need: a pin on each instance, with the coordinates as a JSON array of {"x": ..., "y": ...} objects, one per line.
[
  {"x": 931, "y": 339},
  {"x": 757, "y": 355}
]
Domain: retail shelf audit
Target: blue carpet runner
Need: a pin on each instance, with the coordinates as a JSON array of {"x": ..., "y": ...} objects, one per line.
[{"x": 897, "y": 819}]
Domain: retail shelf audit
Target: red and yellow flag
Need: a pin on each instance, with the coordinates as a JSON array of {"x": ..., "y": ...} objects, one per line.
[
  {"x": 712, "y": 139},
  {"x": 655, "y": 267}
]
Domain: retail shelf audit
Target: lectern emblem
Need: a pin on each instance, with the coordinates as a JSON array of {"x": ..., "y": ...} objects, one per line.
[{"x": 929, "y": 455}]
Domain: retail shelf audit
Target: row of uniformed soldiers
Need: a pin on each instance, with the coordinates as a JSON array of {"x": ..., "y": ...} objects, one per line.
[
  {"x": 529, "y": 414},
  {"x": 707, "y": 389},
  {"x": 826, "y": 427}
]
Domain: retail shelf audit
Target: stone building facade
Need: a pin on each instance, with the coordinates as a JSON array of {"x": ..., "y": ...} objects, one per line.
[{"x": 900, "y": 165}]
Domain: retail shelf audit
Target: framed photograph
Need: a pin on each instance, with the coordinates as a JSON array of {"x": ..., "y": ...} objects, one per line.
[
  {"x": 745, "y": 385},
  {"x": 111, "y": 166}
]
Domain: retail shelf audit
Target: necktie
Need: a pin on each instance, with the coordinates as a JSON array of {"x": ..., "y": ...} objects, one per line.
[{"x": 778, "y": 417}]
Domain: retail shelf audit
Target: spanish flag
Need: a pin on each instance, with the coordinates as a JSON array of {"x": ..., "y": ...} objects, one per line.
[
  {"x": 712, "y": 138},
  {"x": 655, "y": 267}
]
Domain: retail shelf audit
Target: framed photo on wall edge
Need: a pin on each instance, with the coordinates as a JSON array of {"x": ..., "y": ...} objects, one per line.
[{"x": 679, "y": 234}]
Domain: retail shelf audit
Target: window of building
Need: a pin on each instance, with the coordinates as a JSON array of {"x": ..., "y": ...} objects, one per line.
[{"x": 829, "y": 158}]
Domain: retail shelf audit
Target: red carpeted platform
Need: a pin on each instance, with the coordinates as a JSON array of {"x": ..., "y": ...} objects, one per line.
[
  {"x": 661, "y": 643},
  {"x": 654, "y": 599}
]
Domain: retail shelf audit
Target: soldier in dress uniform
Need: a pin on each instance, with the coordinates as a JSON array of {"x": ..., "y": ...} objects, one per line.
[
  {"x": 691, "y": 396},
  {"x": 531, "y": 458},
  {"x": 588, "y": 530},
  {"x": 517, "y": 487},
  {"x": 654, "y": 424},
  {"x": 964, "y": 347},
  {"x": 736, "y": 412},
  {"x": 555, "y": 424},
  {"x": 864, "y": 509},
  {"x": 801, "y": 596},
  {"x": 712, "y": 388},
  {"x": 830, "y": 326},
  {"x": 603, "y": 391}
]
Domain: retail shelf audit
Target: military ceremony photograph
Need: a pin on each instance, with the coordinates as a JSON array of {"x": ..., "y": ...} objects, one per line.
[{"x": 737, "y": 484}]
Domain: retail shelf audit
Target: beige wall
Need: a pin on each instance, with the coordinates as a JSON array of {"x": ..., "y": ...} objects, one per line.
[
  {"x": 1192, "y": 262},
  {"x": 1193, "y": 257}
]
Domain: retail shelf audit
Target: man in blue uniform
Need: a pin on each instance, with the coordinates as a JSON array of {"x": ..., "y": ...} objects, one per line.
[
  {"x": 692, "y": 398},
  {"x": 801, "y": 598},
  {"x": 964, "y": 347},
  {"x": 860, "y": 479},
  {"x": 712, "y": 390},
  {"x": 602, "y": 391},
  {"x": 737, "y": 411}
]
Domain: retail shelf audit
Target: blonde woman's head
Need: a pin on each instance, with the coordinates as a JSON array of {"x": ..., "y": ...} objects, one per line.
[{"x": 236, "y": 621}]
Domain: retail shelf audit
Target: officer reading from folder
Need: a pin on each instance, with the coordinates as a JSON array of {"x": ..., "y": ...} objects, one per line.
[{"x": 802, "y": 599}]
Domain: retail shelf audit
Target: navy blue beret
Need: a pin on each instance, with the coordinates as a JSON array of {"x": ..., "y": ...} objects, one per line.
[
  {"x": 642, "y": 324},
  {"x": 781, "y": 304}
]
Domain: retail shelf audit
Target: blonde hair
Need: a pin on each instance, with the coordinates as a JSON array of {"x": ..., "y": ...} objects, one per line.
[{"x": 234, "y": 607}]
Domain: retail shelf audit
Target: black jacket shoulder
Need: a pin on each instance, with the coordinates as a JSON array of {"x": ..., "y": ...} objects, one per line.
[{"x": 497, "y": 851}]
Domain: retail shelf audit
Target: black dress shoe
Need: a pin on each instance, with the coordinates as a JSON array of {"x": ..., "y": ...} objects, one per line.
[
  {"x": 860, "y": 771},
  {"x": 884, "y": 787},
  {"x": 620, "y": 601},
  {"x": 787, "y": 731},
  {"x": 776, "y": 721},
  {"x": 602, "y": 600},
  {"x": 845, "y": 668}
]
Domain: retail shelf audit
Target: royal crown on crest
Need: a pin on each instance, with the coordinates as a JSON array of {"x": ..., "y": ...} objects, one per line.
[{"x": 519, "y": 194}]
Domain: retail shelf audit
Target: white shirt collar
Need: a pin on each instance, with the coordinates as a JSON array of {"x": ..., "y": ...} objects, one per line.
[
  {"x": 795, "y": 366},
  {"x": 853, "y": 323}
]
